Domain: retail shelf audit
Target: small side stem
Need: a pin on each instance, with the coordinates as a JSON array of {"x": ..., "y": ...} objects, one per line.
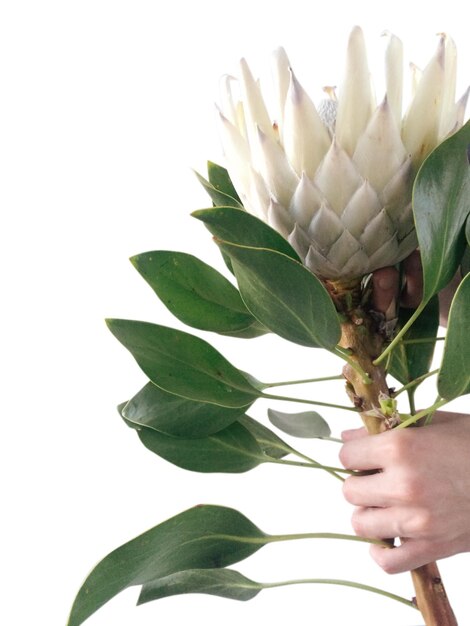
[
  {"x": 302, "y": 382},
  {"x": 415, "y": 382},
  {"x": 409, "y": 342},
  {"x": 327, "y": 468},
  {"x": 415, "y": 418},
  {"x": 344, "y": 583},
  {"x": 304, "y": 401}
]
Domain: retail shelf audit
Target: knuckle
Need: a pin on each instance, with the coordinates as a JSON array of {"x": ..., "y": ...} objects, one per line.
[
  {"x": 349, "y": 491},
  {"x": 400, "y": 447},
  {"x": 382, "y": 556},
  {"x": 344, "y": 456},
  {"x": 357, "y": 523},
  {"x": 422, "y": 524}
]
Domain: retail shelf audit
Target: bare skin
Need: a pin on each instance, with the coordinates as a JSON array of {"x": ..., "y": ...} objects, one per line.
[{"x": 422, "y": 491}]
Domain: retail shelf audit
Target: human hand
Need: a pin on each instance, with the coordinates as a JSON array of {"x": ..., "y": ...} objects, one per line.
[
  {"x": 385, "y": 288},
  {"x": 421, "y": 492}
]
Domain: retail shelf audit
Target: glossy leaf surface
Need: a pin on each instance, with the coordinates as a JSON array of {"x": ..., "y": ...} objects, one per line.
[
  {"x": 218, "y": 197},
  {"x": 225, "y": 583},
  {"x": 155, "y": 408},
  {"x": 203, "y": 537},
  {"x": 184, "y": 364},
  {"x": 272, "y": 445},
  {"x": 454, "y": 376},
  {"x": 285, "y": 296},
  {"x": 239, "y": 227},
  {"x": 441, "y": 204},
  {"x": 219, "y": 178},
  {"x": 232, "y": 450},
  {"x": 306, "y": 425},
  {"x": 196, "y": 293}
]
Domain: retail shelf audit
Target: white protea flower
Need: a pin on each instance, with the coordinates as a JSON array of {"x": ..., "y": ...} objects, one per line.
[{"x": 336, "y": 180}]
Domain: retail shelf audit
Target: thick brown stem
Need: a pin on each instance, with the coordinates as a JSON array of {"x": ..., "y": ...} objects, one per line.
[{"x": 365, "y": 344}]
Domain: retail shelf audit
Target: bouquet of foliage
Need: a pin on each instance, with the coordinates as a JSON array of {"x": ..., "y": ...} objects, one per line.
[{"x": 307, "y": 208}]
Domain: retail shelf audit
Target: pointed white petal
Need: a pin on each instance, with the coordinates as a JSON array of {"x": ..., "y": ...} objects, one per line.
[
  {"x": 378, "y": 231},
  {"x": 397, "y": 191},
  {"x": 361, "y": 209},
  {"x": 357, "y": 265},
  {"x": 255, "y": 109},
  {"x": 355, "y": 103},
  {"x": 273, "y": 166},
  {"x": 279, "y": 218},
  {"x": 318, "y": 264},
  {"x": 300, "y": 241},
  {"x": 228, "y": 104},
  {"x": 416, "y": 74},
  {"x": 421, "y": 123},
  {"x": 387, "y": 254},
  {"x": 337, "y": 178},
  {"x": 325, "y": 228},
  {"x": 237, "y": 154},
  {"x": 405, "y": 222},
  {"x": 306, "y": 139},
  {"x": 305, "y": 202},
  {"x": 281, "y": 79},
  {"x": 380, "y": 152},
  {"x": 407, "y": 245},
  {"x": 455, "y": 121},
  {"x": 345, "y": 247},
  {"x": 258, "y": 198},
  {"x": 394, "y": 76},
  {"x": 450, "y": 82}
]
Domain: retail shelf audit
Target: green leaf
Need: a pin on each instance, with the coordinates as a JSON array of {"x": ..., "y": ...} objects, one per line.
[
  {"x": 285, "y": 296},
  {"x": 184, "y": 364},
  {"x": 272, "y": 445},
  {"x": 155, "y": 408},
  {"x": 441, "y": 204},
  {"x": 232, "y": 450},
  {"x": 219, "y": 178},
  {"x": 454, "y": 376},
  {"x": 203, "y": 537},
  {"x": 239, "y": 227},
  {"x": 409, "y": 361},
  {"x": 226, "y": 583},
  {"x": 196, "y": 293},
  {"x": 219, "y": 198},
  {"x": 307, "y": 425}
]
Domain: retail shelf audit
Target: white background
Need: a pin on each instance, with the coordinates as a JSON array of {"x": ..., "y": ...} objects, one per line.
[{"x": 106, "y": 107}]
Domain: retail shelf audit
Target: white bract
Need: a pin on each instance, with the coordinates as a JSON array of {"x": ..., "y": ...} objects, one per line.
[{"x": 336, "y": 180}]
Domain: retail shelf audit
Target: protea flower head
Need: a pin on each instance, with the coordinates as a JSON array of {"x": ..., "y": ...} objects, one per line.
[{"x": 336, "y": 179}]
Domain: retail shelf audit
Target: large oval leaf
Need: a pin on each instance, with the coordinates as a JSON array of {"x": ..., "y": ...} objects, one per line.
[
  {"x": 238, "y": 226},
  {"x": 155, "y": 408},
  {"x": 441, "y": 204},
  {"x": 226, "y": 583},
  {"x": 202, "y": 537},
  {"x": 285, "y": 296},
  {"x": 454, "y": 376},
  {"x": 196, "y": 293},
  {"x": 232, "y": 450},
  {"x": 184, "y": 364}
]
